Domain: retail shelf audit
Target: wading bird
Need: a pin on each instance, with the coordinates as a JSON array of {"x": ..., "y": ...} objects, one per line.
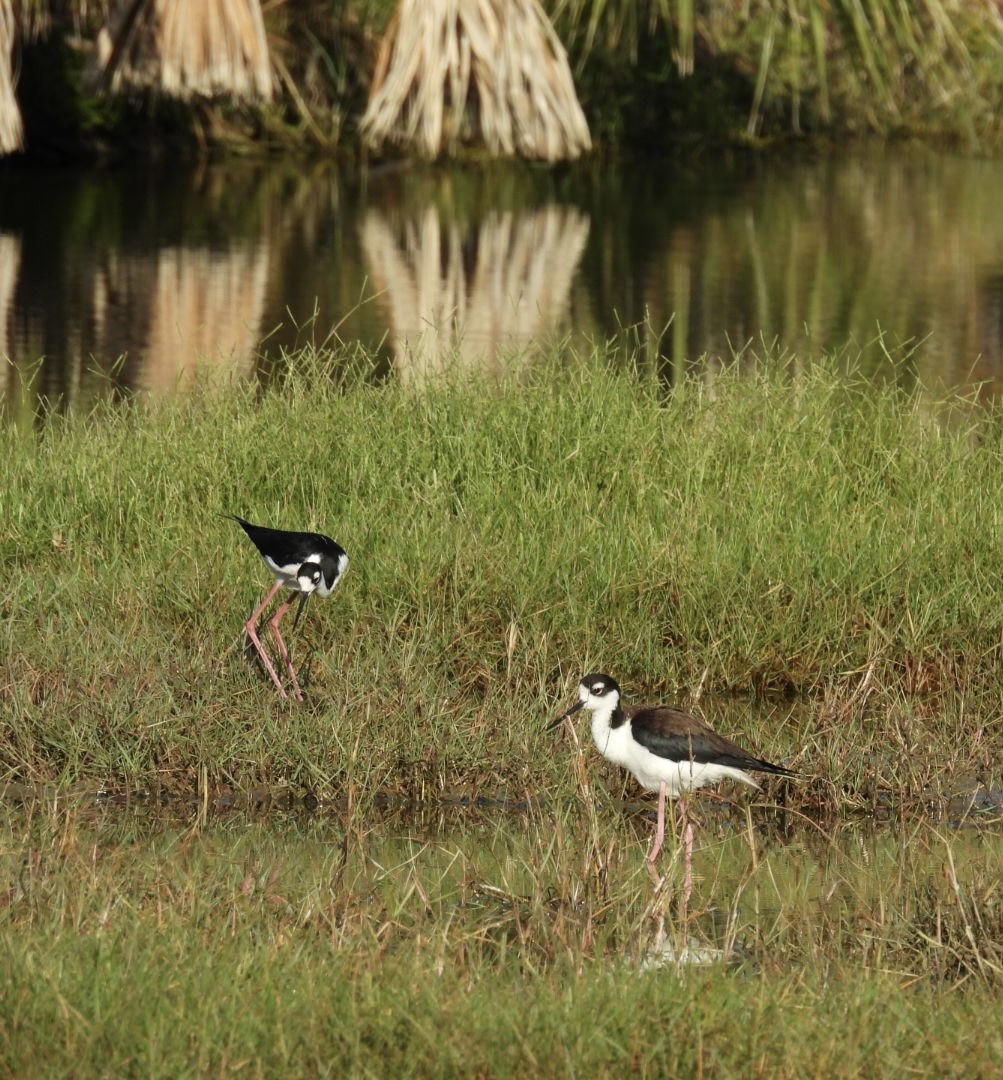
[
  {"x": 304, "y": 562},
  {"x": 666, "y": 750}
]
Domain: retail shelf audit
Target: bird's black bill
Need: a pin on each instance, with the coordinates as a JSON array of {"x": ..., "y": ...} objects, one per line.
[
  {"x": 554, "y": 723},
  {"x": 299, "y": 608}
]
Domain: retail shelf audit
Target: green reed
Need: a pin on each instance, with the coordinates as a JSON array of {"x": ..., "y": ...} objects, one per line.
[{"x": 872, "y": 66}]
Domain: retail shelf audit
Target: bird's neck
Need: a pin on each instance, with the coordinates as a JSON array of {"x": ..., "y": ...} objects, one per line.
[{"x": 606, "y": 720}]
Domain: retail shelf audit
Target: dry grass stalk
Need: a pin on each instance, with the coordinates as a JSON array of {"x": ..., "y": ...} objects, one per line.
[
  {"x": 453, "y": 71},
  {"x": 11, "y": 128},
  {"x": 187, "y": 48}
]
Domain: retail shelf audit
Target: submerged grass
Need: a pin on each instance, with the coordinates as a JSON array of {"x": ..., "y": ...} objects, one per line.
[
  {"x": 751, "y": 534},
  {"x": 316, "y": 947}
]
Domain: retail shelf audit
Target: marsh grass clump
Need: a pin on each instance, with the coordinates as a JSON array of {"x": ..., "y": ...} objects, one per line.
[{"x": 803, "y": 538}]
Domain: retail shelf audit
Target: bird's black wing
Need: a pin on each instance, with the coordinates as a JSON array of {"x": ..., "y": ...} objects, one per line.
[
  {"x": 677, "y": 736},
  {"x": 288, "y": 547}
]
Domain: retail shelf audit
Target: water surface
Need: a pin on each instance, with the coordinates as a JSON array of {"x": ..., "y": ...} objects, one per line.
[{"x": 116, "y": 281}]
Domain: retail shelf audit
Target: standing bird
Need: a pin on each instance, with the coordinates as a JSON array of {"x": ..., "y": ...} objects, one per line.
[
  {"x": 304, "y": 562},
  {"x": 666, "y": 750}
]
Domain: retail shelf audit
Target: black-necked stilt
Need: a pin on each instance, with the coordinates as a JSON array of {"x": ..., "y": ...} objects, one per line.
[
  {"x": 305, "y": 562},
  {"x": 665, "y": 749}
]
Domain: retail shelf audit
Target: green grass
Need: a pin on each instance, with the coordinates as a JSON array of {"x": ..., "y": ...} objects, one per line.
[
  {"x": 811, "y": 557},
  {"x": 749, "y": 535}
]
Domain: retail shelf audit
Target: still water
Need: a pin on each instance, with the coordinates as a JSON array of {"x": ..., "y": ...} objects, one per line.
[{"x": 112, "y": 282}]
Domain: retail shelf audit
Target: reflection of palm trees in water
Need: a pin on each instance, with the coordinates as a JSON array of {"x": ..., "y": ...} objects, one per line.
[
  {"x": 129, "y": 285},
  {"x": 472, "y": 294},
  {"x": 10, "y": 258},
  {"x": 140, "y": 320},
  {"x": 988, "y": 318},
  {"x": 184, "y": 308}
]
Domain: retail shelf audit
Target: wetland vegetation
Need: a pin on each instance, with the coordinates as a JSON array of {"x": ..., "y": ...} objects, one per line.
[
  {"x": 481, "y": 945},
  {"x": 652, "y": 77},
  {"x": 778, "y": 532},
  {"x": 405, "y": 874}
]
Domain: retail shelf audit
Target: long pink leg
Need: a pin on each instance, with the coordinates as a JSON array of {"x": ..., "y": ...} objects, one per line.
[
  {"x": 252, "y": 633},
  {"x": 687, "y": 825},
  {"x": 273, "y": 622},
  {"x": 656, "y": 846}
]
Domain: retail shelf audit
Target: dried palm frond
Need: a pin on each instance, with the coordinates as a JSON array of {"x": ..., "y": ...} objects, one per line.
[
  {"x": 34, "y": 18},
  {"x": 457, "y": 71},
  {"x": 187, "y": 48},
  {"x": 11, "y": 128}
]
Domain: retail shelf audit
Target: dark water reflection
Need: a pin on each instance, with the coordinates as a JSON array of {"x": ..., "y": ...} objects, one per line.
[{"x": 113, "y": 282}]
